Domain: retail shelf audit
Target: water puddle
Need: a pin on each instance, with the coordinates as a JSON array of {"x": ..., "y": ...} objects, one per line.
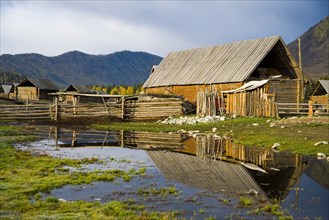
[{"x": 201, "y": 176}]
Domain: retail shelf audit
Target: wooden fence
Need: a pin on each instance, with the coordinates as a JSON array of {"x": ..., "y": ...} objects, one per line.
[
  {"x": 247, "y": 103},
  {"x": 28, "y": 111},
  {"x": 303, "y": 109},
  {"x": 127, "y": 108}
]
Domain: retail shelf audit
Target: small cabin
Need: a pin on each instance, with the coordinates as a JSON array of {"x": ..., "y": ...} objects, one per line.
[
  {"x": 8, "y": 91},
  {"x": 320, "y": 94},
  {"x": 36, "y": 89},
  {"x": 76, "y": 89}
]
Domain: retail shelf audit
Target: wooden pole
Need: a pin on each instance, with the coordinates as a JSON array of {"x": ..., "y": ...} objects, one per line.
[
  {"x": 123, "y": 107},
  {"x": 299, "y": 55},
  {"x": 310, "y": 109},
  {"x": 56, "y": 108}
]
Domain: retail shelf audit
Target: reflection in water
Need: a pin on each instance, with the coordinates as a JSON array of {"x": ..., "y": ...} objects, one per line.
[{"x": 208, "y": 162}]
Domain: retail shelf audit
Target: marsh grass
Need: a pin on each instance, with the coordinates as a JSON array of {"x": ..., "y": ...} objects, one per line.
[
  {"x": 170, "y": 190},
  {"x": 25, "y": 178}
]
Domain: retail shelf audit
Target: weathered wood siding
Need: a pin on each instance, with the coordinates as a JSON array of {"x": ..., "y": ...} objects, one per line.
[
  {"x": 27, "y": 93},
  {"x": 190, "y": 92},
  {"x": 320, "y": 99},
  {"x": 285, "y": 90}
]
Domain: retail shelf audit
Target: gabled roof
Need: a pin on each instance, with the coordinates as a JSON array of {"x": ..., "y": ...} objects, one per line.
[
  {"x": 233, "y": 62},
  {"x": 45, "y": 84},
  {"x": 321, "y": 88},
  {"x": 6, "y": 88},
  {"x": 78, "y": 88},
  {"x": 325, "y": 85}
]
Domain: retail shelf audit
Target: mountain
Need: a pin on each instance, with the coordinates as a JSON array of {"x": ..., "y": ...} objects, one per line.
[
  {"x": 315, "y": 50},
  {"x": 118, "y": 68}
]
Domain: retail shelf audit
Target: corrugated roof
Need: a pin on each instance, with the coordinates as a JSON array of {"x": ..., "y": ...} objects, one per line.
[
  {"x": 233, "y": 62},
  {"x": 325, "y": 85},
  {"x": 46, "y": 84}
]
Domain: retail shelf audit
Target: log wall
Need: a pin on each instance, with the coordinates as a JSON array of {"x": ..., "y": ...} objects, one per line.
[{"x": 189, "y": 92}]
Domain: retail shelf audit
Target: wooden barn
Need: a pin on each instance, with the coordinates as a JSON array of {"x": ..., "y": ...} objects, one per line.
[
  {"x": 320, "y": 94},
  {"x": 76, "y": 89},
  {"x": 228, "y": 68},
  {"x": 36, "y": 89}
]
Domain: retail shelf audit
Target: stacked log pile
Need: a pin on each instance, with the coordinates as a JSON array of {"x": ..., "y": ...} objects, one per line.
[{"x": 152, "y": 107}]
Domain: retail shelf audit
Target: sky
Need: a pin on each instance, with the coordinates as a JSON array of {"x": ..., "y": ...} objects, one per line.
[{"x": 54, "y": 27}]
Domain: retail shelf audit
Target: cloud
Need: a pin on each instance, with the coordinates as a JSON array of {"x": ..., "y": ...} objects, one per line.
[{"x": 102, "y": 27}]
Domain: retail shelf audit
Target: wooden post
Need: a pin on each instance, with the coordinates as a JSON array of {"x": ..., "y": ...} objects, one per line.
[
  {"x": 310, "y": 109},
  {"x": 56, "y": 108},
  {"x": 107, "y": 109},
  {"x": 123, "y": 107},
  {"x": 74, "y": 105}
]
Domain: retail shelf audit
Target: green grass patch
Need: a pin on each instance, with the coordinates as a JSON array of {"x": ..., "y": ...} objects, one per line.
[{"x": 295, "y": 137}]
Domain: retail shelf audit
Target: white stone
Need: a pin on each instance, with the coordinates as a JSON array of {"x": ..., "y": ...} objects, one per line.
[
  {"x": 276, "y": 145},
  {"x": 214, "y": 130},
  {"x": 321, "y": 142},
  {"x": 255, "y": 124}
]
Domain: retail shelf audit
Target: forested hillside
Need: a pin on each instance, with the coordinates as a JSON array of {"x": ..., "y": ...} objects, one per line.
[
  {"x": 7, "y": 77},
  {"x": 123, "y": 67},
  {"x": 315, "y": 50}
]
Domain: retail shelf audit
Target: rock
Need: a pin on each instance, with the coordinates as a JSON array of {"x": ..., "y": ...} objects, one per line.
[
  {"x": 255, "y": 124},
  {"x": 214, "y": 130},
  {"x": 276, "y": 145},
  {"x": 62, "y": 200},
  {"x": 222, "y": 118},
  {"x": 299, "y": 131},
  {"x": 321, "y": 156},
  {"x": 282, "y": 126},
  {"x": 272, "y": 125},
  {"x": 252, "y": 192},
  {"x": 268, "y": 120},
  {"x": 321, "y": 142}
]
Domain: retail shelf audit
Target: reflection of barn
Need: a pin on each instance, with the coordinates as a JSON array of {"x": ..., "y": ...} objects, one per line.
[
  {"x": 320, "y": 94},
  {"x": 35, "y": 89},
  {"x": 229, "y": 67},
  {"x": 215, "y": 176},
  {"x": 283, "y": 168}
]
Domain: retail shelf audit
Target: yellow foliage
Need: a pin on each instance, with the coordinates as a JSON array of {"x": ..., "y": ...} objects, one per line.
[{"x": 130, "y": 91}]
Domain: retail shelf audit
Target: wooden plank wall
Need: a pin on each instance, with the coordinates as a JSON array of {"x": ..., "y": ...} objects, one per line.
[
  {"x": 252, "y": 103},
  {"x": 286, "y": 91},
  {"x": 27, "y": 93},
  {"x": 320, "y": 99}
]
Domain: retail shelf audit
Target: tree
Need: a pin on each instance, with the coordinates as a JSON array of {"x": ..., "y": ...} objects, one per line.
[
  {"x": 122, "y": 90},
  {"x": 114, "y": 91},
  {"x": 130, "y": 90}
]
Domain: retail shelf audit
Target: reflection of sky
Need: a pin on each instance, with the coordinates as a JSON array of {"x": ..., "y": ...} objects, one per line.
[
  {"x": 124, "y": 158},
  {"x": 312, "y": 200}
]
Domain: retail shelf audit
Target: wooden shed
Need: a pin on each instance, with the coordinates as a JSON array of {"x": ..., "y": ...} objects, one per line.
[
  {"x": 8, "y": 91},
  {"x": 76, "y": 89},
  {"x": 36, "y": 89},
  {"x": 320, "y": 95},
  {"x": 228, "y": 67}
]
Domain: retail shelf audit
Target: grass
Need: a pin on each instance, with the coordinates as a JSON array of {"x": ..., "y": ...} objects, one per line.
[
  {"x": 171, "y": 190},
  {"x": 295, "y": 137},
  {"x": 24, "y": 178}
]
